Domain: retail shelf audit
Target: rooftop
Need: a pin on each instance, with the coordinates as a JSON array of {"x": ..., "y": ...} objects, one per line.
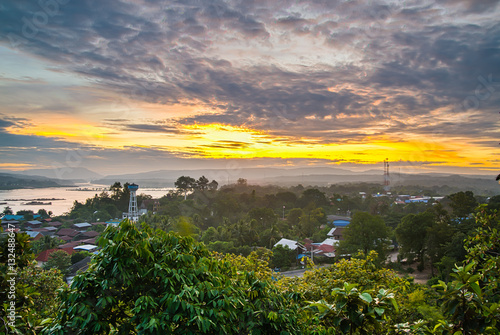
[
  {"x": 44, "y": 255},
  {"x": 90, "y": 233},
  {"x": 82, "y": 225},
  {"x": 291, "y": 244},
  {"x": 67, "y": 232},
  {"x": 86, "y": 247}
]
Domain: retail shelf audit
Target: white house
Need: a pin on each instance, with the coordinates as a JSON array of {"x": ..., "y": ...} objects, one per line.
[{"x": 291, "y": 244}]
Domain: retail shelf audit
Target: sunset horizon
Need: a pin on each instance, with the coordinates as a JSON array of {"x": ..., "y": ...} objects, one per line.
[{"x": 148, "y": 85}]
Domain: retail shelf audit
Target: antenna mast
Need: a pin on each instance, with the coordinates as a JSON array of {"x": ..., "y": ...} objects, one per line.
[{"x": 387, "y": 182}]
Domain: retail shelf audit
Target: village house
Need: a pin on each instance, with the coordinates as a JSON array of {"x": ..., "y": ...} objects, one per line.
[
  {"x": 43, "y": 257},
  {"x": 68, "y": 232},
  {"x": 82, "y": 226}
]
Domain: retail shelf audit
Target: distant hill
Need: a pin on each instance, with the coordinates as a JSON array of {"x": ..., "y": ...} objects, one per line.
[
  {"x": 312, "y": 176},
  {"x": 10, "y": 181},
  {"x": 442, "y": 183},
  {"x": 445, "y": 183},
  {"x": 480, "y": 185},
  {"x": 65, "y": 173},
  {"x": 167, "y": 178}
]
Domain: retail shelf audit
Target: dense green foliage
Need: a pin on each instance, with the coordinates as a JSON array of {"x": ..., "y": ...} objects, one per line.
[
  {"x": 202, "y": 263},
  {"x": 60, "y": 260},
  {"x": 366, "y": 232},
  {"x": 27, "y": 292},
  {"x": 151, "y": 282}
]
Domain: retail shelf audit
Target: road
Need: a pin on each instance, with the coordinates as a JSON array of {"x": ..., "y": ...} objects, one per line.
[
  {"x": 300, "y": 272},
  {"x": 294, "y": 273},
  {"x": 393, "y": 257}
]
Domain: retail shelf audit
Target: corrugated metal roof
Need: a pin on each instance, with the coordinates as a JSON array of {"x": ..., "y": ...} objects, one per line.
[{"x": 289, "y": 243}]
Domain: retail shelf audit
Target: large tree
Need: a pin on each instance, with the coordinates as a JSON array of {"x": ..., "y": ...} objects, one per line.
[
  {"x": 152, "y": 282},
  {"x": 366, "y": 232},
  {"x": 311, "y": 221},
  {"x": 463, "y": 203},
  {"x": 185, "y": 184},
  {"x": 202, "y": 183},
  {"x": 314, "y": 198},
  {"x": 412, "y": 235}
]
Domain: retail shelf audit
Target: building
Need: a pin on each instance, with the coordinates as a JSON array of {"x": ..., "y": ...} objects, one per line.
[
  {"x": 83, "y": 225},
  {"x": 337, "y": 233},
  {"x": 82, "y": 265},
  {"x": 338, "y": 221},
  {"x": 9, "y": 217},
  {"x": 325, "y": 248},
  {"x": 114, "y": 223},
  {"x": 34, "y": 235},
  {"x": 46, "y": 231},
  {"x": 86, "y": 247},
  {"x": 68, "y": 232},
  {"x": 90, "y": 234},
  {"x": 154, "y": 204},
  {"x": 33, "y": 224},
  {"x": 10, "y": 223},
  {"x": 55, "y": 224},
  {"x": 291, "y": 244},
  {"x": 43, "y": 257}
]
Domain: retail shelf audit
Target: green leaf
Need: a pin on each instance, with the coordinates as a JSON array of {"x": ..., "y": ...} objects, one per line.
[
  {"x": 395, "y": 304},
  {"x": 476, "y": 288},
  {"x": 366, "y": 297}
]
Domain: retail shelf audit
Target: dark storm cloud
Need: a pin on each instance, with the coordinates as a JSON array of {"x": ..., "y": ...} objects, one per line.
[{"x": 413, "y": 58}]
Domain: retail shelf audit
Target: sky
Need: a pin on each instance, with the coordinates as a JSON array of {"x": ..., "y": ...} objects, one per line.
[{"x": 131, "y": 86}]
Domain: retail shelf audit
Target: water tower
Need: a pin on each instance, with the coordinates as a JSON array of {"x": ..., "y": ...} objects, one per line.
[{"x": 133, "y": 213}]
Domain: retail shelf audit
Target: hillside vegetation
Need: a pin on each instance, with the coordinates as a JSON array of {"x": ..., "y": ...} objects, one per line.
[{"x": 203, "y": 263}]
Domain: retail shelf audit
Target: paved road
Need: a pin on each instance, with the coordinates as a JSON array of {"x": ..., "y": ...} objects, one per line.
[
  {"x": 294, "y": 273},
  {"x": 300, "y": 272},
  {"x": 393, "y": 257}
]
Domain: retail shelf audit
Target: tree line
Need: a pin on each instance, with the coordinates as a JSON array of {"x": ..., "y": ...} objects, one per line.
[{"x": 147, "y": 281}]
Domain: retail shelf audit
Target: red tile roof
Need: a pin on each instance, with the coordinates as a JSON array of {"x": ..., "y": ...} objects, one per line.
[
  {"x": 326, "y": 248},
  {"x": 44, "y": 255}
]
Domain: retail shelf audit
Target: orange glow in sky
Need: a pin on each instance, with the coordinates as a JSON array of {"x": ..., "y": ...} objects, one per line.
[{"x": 220, "y": 141}]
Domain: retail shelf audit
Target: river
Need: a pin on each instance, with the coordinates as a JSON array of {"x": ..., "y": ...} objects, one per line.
[{"x": 65, "y": 196}]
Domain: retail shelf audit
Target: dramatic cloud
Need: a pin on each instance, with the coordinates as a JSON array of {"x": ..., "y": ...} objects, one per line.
[{"x": 310, "y": 72}]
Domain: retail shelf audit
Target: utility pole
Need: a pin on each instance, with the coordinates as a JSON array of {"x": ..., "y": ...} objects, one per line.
[{"x": 312, "y": 254}]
